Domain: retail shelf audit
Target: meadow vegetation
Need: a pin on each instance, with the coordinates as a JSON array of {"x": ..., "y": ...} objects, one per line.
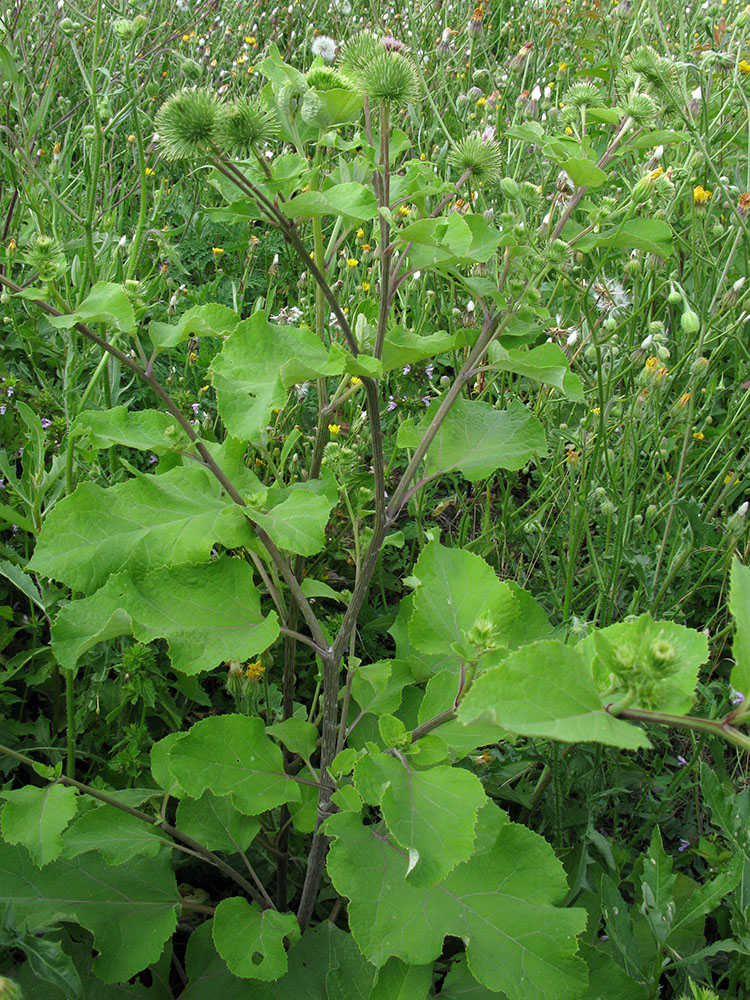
[{"x": 374, "y": 422}]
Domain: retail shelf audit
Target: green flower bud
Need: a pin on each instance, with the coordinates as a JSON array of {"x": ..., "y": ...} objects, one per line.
[
  {"x": 690, "y": 322},
  {"x": 662, "y": 654},
  {"x": 88, "y": 132},
  {"x": 68, "y": 27},
  {"x": 124, "y": 29},
  {"x": 674, "y": 298},
  {"x": 642, "y": 190},
  {"x": 642, "y": 108},
  {"x": 483, "y": 160},
  {"x": 244, "y": 126},
  {"x": 389, "y": 78},
  {"x": 9, "y": 989},
  {"x": 510, "y": 188},
  {"x": 188, "y": 123}
]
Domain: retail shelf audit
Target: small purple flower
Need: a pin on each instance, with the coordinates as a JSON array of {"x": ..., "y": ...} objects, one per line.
[
  {"x": 406, "y": 369},
  {"x": 684, "y": 844},
  {"x": 426, "y": 400},
  {"x": 152, "y": 459},
  {"x": 392, "y": 404},
  {"x": 489, "y": 133},
  {"x": 195, "y": 407},
  {"x": 46, "y": 423},
  {"x": 681, "y": 760},
  {"x": 737, "y": 697},
  {"x": 2, "y": 484},
  {"x": 9, "y": 391},
  {"x": 429, "y": 370},
  {"x": 2, "y": 410},
  {"x": 14, "y": 528},
  {"x": 391, "y": 44}
]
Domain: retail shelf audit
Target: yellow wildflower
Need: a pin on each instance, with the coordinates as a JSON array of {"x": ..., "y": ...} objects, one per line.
[
  {"x": 730, "y": 479},
  {"x": 651, "y": 365},
  {"x": 684, "y": 399},
  {"x": 562, "y": 67},
  {"x": 149, "y": 171},
  {"x": 217, "y": 251},
  {"x": 365, "y": 286},
  {"x": 701, "y": 195},
  {"x": 568, "y": 130},
  {"x": 131, "y": 138},
  {"x": 351, "y": 262},
  {"x": 481, "y": 101},
  {"x": 365, "y": 248},
  {"x": 744, "y": 66},
  {"x": 12, "y": 246},
  {"x": 404, "y": 210},
  {"x": 698, "y": 435},
  {"x": 254, "y": 671},
  {"x": 334, "y": 429},
  {"x": 192, "y": 356},
  {"x": 356, "y": 380},
  {"x": 360, "y": 233}
]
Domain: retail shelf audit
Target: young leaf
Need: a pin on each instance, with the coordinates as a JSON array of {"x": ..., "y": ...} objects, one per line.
[
  {"x": 231, "y": 755},
  {"x": 502, "y": 902},
  {"x": 657, "y": 884},
  {"x": 432, "y": 814},
  {"x": 251, "y": 940},
  {"x": 134, "y": 903},
  {"x": 140, "y": 525},
  {"x": 739, "y": 605},
  {"x": 456, "y": 589},
  {"x": 545, "y": 363},
  {"x": 297, "y": 735},
  {"x": 354, "y": 201},
  {"x": 208, "y": 614},
  {"x": 583, "y": 172},
  {"x": 106, "y": 303},
  {"x": 658, "y": 660},
  {"x": 545, "y": 689},
  {"x": 210, "y": 320},
  {"x": 477, "y": 439},
  {"x": 213, "y": 821},
  {"x": 298, "y": 522},
  {"x": 36, "y": 817}
]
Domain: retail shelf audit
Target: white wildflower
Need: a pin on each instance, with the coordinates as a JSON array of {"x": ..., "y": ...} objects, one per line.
[{"x": 325, "y": 47}]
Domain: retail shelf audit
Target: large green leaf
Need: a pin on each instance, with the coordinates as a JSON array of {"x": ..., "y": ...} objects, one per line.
[
  {"x": 208, "y": 614},
  {"x": 129, "y": 909},
  {"x": 546, "y": 689},
  {"x": 140, "y": 525},
  {"x": 584, "y": 172},
  {"x": 739, "y": 605},
  {"x": 106, "y": 303},
  {"x": 477, "y": 439},
  {"x": 432, "y": 814},
  {"x": 353, "y": 201},
  {"x": 213, "y": 821},
  {"x": 251, "y": 940},
  {"x": 210, "y": 320},
  {"x": 404, "y": 347},
  {"x": 116, "y": 835},
  {"x": 36, "y": 818},
  {"x": 456, "y": 589},
  {"x": 503, "y": 903},
  {"x": 325, "y": 964},
  {"x": 148, "y": 430},
  {"x": 398, "y": 981},
  {"x": 649, "y": 235},
  {"x": 231, "y": 755},
  {"x": 257, "y": 364}
]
